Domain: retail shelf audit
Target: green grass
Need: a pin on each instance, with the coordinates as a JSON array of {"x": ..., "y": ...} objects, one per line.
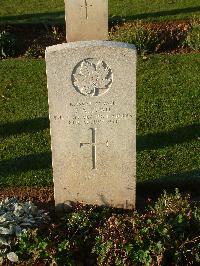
[
  {"x": 157, "y": 10},
  {"x": 25, "y": 149},
  {"x": 167, "y": 122},
  {"x": 49, "y": 11}
]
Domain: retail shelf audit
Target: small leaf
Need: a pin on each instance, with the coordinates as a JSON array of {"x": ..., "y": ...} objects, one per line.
[
  {"x": 12, "y": 256},
  {"x": 4, "y": 242},
  {"x": 6, "y": 231}
]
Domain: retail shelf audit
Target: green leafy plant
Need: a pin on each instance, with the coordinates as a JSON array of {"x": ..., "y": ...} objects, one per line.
[
  {"x": 7, "y": 44},
  {"x": 145, "y": 39},
  {"x": 192, "y": 39},
  {"x": 160, "y": 236},
  {"x": 61, "y": 243},
  {"x": 43, "y": 246},
  {"x": 167, "y": 233},
  {"x": 31, "y": 246}
]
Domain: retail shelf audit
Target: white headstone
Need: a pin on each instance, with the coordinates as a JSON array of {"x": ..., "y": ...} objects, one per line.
[
  {"x": 92, "y": 107},
  {"x": 86, "y": 20}
]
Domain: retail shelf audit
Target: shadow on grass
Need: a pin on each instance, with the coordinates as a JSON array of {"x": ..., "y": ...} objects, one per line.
[
  {"x": 155, "y": 15},
  {"x": 25, "y": 164},
  {"x": 185, "y": 182},
  {"x": 161, "y": 140},
  {"x": 24, "y": 126},
  {"x": 35, "y": 18},
  {"x": 58, "y": 17}
]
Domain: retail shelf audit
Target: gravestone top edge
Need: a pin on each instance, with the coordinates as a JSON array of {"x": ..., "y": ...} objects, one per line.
[{"x": 81, "y": 44}]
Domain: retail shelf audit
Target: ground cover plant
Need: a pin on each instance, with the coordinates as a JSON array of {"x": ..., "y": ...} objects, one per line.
[
  {"x": 53, "y": 11},
  {"x": 167, "y": 122},
  {"x": 166, "y": 233},
  {"x": 153, "y": 38}
]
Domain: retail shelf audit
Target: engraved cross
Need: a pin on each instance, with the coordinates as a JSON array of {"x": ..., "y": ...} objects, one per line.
[
  {"x": 93, "y": 144},
  {"x": 86, "y": 8}
]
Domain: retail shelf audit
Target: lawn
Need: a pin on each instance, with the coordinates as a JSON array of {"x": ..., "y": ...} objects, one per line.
[
  {"x": 49, "y": 11},
  {"x": 167, "y": 122}
]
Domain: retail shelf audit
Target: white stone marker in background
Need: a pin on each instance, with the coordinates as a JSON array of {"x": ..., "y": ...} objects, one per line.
[
  {"x": 86, "y": 20},
  {"x": 92, "y": 107}
]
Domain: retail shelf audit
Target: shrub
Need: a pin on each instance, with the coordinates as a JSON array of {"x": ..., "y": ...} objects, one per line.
[
  {"x": 67, "y": 243},
  {"x": 192, "y": 39},
  {"x": 7, "y": 44},
  {"x": 144, "y": 38},
  {"x": 151, "y": 37},
  {"x": 167, "y": 234}
]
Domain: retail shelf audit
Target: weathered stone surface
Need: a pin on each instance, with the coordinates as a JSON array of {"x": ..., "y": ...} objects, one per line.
[
  {"x": 86, "y": 20},
  {"x": 92, "y": 106}
]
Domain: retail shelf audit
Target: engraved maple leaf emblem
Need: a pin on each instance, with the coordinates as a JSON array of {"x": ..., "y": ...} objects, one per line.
[{"x": 92, "y": 77}]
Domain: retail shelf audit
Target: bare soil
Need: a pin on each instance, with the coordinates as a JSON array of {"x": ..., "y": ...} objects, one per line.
[{"x": 43, "y": 197}]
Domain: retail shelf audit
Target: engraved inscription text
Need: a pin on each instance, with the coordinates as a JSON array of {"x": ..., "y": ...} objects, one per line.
[{"x": 96, "y": 113}]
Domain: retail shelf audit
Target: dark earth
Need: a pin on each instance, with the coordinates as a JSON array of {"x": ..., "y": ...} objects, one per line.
[{"x": 43, "y": 197}]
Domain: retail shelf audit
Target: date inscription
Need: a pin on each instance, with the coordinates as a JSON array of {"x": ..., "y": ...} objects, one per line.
[{"x": 96, "y": 113}]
